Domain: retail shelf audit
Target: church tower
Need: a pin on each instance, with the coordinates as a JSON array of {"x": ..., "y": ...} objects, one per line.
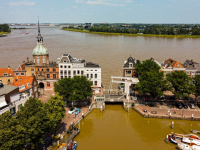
[{"x": 40, "y": 53}]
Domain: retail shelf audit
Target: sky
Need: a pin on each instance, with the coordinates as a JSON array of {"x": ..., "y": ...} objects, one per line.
[{"x": 100, "y": 11}]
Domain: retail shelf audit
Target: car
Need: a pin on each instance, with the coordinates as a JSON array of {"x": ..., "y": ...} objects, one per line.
[
  {"x": 78, "y": 110},
  {"x": 192, "y": 106},
  {"x": 72, "y": 110},
  {"x": 47, "y": 142},
  {"x": 179, "y": 105},
  {"x": 184, "y": 105}
]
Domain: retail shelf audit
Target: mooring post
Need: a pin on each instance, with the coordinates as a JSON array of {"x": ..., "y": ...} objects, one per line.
[
  {"x": 192, "y": 117},
  {"x": 172, "y": 124}
]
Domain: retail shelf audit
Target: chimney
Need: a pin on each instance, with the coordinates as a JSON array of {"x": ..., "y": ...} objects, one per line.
[
  {"x": 27, "y": 59},
  {"x": 24, "y": 62},
  {"x": 8, "y": 67}
]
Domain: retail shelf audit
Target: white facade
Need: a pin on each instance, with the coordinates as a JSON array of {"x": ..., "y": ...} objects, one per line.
[{"x": 70, "y": 67}]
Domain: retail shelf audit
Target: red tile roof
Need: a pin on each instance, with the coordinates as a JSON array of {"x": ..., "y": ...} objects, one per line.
[
  {"x": 9, "y": 71},
  {"x": 21, "y": 67},
  {"x": 23, "y": 81}
]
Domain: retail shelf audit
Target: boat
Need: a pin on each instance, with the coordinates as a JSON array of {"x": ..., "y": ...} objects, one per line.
[
  {"x": 25, "y": 33},
  {"x": 184, "y": 146},
  {"x": 187, "y": 139},
  {"x": 3, "y": 35},
  {"x": 72, "y": 145},
  {"x": 195, "y": 131}
]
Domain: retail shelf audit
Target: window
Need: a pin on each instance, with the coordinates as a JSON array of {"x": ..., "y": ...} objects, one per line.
[
  {"x": 193, "y": 73},
  {"x": 169, "y": 72},
  {"x": 8, "y": 81},
  {"x": 47, "y": 69},
  {"x": 16, "y": 74},
  {"x": 35, "y": 88},
  {"x": 5, "y": 74},
  {"x": 38, "y": 60},
  {"x": 65, "y": 72},
  {"x": 38, "y": 69},
  {"x": 54, "y": 76},
  {"x": 65, "y": 66},
  {"x": 78, "y": 72},
  {"x": 48, "y": 75},
  {"x": 87, "y": 75},
  {"x": 69, "y": 73},
  {"x": 74, "y": 73},
  {"x": 61, "y": 77},
  {"x": 130, "y": 65},
  {"x": 48, "y": 83},
  {"x": 188, "y": 73},
  {"x": 95, "y": 76},
  {"x": 69, "y": 66},
  {"x": 12, "y": 111},
  {"x": 42, "y": 69},
  {"x": 54, "y": 70},
  {"x": 43, "y": 59},
  {"x": 91, "y": 76},
  {"x": 22, "y": 74},
  {"x": 177, "y": 65},
  {"x": 134, "y": 71},
  {"x": 128, "y": 71},
  {"x": 32, "y": 69},
  {"x": 28, "y": 84},
  {"x": 95, "y": 70},
  {"x": 61, "y": 72},
  {"x": 91, "y": 70},
  {"x": 65, "y": 61},
  {"x": 82, "y": 72},
  {"x": 32, "y": 74},
  {"x": 19, "y": 106},
  {"x": 95, "y": 82},
  {"x": 61, "y": 66}
]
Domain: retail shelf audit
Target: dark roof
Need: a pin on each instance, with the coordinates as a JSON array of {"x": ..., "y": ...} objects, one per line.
[
  {"x": 90, "y": 64},
  {"x": 191, "y": 62},
  {"x": 190, "y": 67},
  {"x": 130, "y": 60}
]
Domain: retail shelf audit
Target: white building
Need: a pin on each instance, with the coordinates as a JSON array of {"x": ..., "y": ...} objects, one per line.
[{"x": 70, "y": 67}]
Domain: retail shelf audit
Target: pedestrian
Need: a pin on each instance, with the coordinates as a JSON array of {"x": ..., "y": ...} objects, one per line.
[
  {"x": 174, "y": 111},
  {"x": 82, "y": 116}
]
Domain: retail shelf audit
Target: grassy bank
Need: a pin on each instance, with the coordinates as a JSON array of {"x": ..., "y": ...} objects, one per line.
[
  {"x": 146, "y": 35},
  {"x": 3, "y": 33}
]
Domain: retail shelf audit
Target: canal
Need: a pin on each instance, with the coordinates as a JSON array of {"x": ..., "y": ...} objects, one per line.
[{"x": 115, "y": 129}]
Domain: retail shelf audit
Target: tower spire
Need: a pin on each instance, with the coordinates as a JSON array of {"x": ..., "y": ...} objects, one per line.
[{"x": 39, "y": 37}]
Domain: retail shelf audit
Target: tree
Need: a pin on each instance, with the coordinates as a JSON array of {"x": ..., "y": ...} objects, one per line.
[
  {"x": 56, "y": 110},
  {"x": 11, "y": 133},
  {"x": 196, "y": 81},
  {"x": 182, "y": 85},
  {"x": 34, "y": 119},
  {"x": 76, "y": 88},
  {"x": 151, "y": 79}
]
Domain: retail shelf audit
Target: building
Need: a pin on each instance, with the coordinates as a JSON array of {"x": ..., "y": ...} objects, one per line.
[
  {"x": 129, "y": 67},
  {"x": 6, "y": 75},
  {"x": 20, "y": 71},
  {"x": 46, "y": 72},
  {"x": 10, "y": 99},
  {"x": 28, "y": 86},
  {"x": 70, "y": 67},
  {"x": 171, "y": 65},
  {"x": 193, "y": 66}
]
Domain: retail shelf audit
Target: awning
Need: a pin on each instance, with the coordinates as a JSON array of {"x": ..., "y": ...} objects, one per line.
[{"x": 3, "y": 101}]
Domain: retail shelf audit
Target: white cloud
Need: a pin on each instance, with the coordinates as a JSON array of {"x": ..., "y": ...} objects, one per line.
[
  {"x": 103, "y": 2},
  {"x": 128, "y": 1},
  {"x": 75, "y": 6},
  {"x": 22, "y": 3},
  {"x": 139, "y": 5},
  {"x": 79, "y": 1}
]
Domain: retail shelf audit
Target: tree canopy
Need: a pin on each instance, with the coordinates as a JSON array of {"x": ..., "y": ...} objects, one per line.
[
  {"x": 196, "y": 81},
  {"x": 181, "y": 84},
  {"x": 76, "y": 88},
  {"x": 151, "y": 80}
]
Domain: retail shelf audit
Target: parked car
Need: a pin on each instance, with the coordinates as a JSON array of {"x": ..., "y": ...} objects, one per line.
[
  {"x": 78, "y": 110},
  {"x": 184, "y": 105},
  {"x": 47, "y": 142},
  {"x": 72, "y": 110},
  {"x": 192, "y": 106},
  {"x": 178, "y": 105}
]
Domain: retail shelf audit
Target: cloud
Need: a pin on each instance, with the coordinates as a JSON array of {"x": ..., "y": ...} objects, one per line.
[
  {"x": 103, "y": 2},
  {"x": 75, "y": 7},
  {"x": 128, "y": 1},
  {"x": 139, "y": 5},
  {"x": 22, "y": 3},
  {"x": 79, "y": 1}
]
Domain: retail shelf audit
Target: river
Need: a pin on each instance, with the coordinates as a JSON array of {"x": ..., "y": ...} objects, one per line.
[
  {"x": 109, "y": 51},
  {"x": 115, "y": 129}
]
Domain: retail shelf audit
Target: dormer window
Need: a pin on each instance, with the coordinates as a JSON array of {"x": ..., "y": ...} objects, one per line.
[
  {"x": 28, "y": 84},
  {"x": 130, "y": 65},
  {"x": 177, "y": 65},
  {"x": 5, "y": 74}
]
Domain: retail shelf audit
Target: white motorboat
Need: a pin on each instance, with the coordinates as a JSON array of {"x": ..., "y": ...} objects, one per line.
[{"x": 184, "y": 146}]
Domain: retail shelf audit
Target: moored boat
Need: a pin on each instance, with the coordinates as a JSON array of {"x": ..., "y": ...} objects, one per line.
[{"x": 184, "y": 146}]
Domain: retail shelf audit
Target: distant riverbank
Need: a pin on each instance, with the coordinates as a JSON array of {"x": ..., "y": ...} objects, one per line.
[{"x": 127, "y": 34}]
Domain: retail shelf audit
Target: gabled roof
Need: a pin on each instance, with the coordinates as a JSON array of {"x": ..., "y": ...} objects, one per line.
[
  {"x": 172, "y": 63},
  {"x": 190, "y": 67},
  {"x": 7, "y": 89},
  {"x": 9, "y": 71},
  {"x": 23, "y": 81},
  {"x": 21, "y": 68},
  {"x": 130, "y": 60}
]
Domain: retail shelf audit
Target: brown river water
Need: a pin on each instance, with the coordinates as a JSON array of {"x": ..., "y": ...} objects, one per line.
[{"x": 114, "y": 129}]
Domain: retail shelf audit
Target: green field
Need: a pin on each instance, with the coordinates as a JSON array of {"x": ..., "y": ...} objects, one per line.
[{"x": 127, "y": 34}]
